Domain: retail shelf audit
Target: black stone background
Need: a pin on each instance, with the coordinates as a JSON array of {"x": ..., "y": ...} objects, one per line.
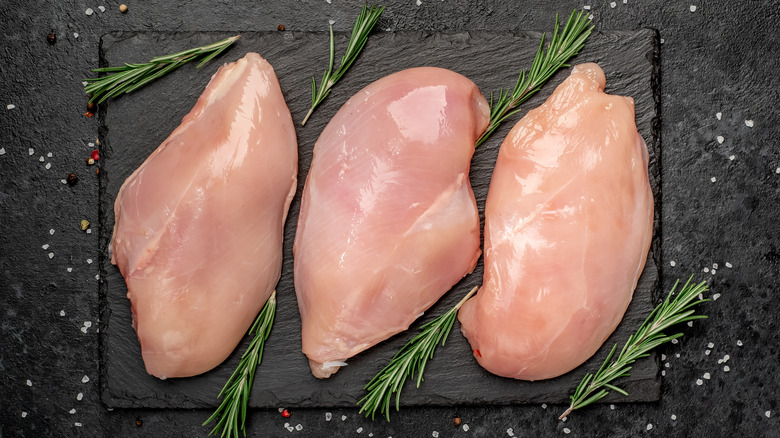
[
  {"x": 284, "y": 379},
  {"x": 721, "y": 58}
]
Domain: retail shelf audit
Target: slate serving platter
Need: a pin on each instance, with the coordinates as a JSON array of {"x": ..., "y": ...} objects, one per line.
[{"x": 133, "y": 126}]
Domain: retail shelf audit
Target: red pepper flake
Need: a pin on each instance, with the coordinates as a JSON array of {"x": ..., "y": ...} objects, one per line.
[
  {"x": 286, "y": 413},
  {"x": 95, "y": 155},
  {"x": 477, "y": 353},
  {"x": 89, "y": 114}
]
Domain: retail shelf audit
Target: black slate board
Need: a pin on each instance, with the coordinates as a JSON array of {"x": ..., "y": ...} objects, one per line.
[{"x": 133, "y": 126}]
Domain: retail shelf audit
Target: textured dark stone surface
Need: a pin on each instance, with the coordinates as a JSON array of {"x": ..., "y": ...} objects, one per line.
[
  {"x": 136, "y": 125},
  {"x": 722, "y": 58}
]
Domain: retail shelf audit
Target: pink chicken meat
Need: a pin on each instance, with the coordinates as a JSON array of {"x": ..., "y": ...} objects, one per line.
[
  {"x": 198, "y": 234},
  {"x": 388, "y": 219},
  {"x": 568, "y": 224}
]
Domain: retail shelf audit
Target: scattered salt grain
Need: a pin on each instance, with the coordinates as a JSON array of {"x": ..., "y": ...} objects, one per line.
[
  {"x": 289, "y": 428},
  {"x": 97, "y": 276},
  {"x": 75, "y": 35},
  {"x": 45, "y": 246},
  {"x": 298, "y": 427},
  {"x": 84, "y": 83},
  {"x": 663, "y": 40},
  {"x": 663, "y": 372},
  {"x": 465, "y": 427},
  {"x": 768, "y": 414},
  {"x": 718, "y": 115},
  {"x": 663, "y": 357},
  {"x": 41, "y": 159},
  {"x": 667, "y": 365},
  {"x": 10, "y": 106},
  {"x": 359, "y": 430},
  {"x": 2, "y": 151},
  {"x": 612, "y": 5},
  {"x": 674, "y": 417},
  {"x": 677, "y": 355},
  {"x": 749, "y": 123},
  {"x": 419, "y": 2},
  {"x": 590, "y": 17},
  {"x": 726, "y": 358},
  {"x": 51, "y": 255},
  {"x": 49, "y": 155},
  {"x": 739, "y": 343},
  {"x": 710, "y": 345},
  {"x": 713, "y": 179},
  {"x": 707, "y": 352},
  {"x": 89, "y": 230},
  {"x": 690, "y": 323},
  {"x": 328, "y": 416},
  {"x": 612, "y": 407},
  {"x": 715, "y": 296},
  {"x": 30, "y": 151},
  {"x": 777, "y": 170},
  {"x": 544, "y": 405},
  {"x": 726, "y": 368},
  {"x": 77, "y": 424},
  {"x": 699, "y": 382},
  {"x": 707, "y": 376},
  {"x": 89, "y": 11},
  {"x": 673, "y": 263},
  {"x": 625, "y": 2},
  {"x": 728, "y": 265},
  {"x": 732, "y": 157},
  {"x": 720, "y": 139},
  {"x": 343, "y": 417},
  {"x": 586, "y": 7},
  {"x": 510, "y": 432},
  {"x": 89, "y": 262},
  {"x": 674, "y": 341},
  {"x": 48, "y": 166},
  {"x": 693, "y": 8},
  {"x": 70, "y": 269},
  {"x": 80, "y": 396},
  {"x": 706, "y": 269},
  {"x": 85, "y": 379},
  {"x": 714, "y": 266},
  {"x": 24, "y": 414},
  {"x": 62, "y": 313},
  {"x": 435, "y": 434},
  {"x": 72, "y": 411},
  {"x": 29, "y": 382},
  {"x": 649, "y": 426},
  {"x": 566, "y": 430},
  {"x": 87, "y": 324},
  {"x": 51, "y": 231},
  {"x": 102, "y": 8}
]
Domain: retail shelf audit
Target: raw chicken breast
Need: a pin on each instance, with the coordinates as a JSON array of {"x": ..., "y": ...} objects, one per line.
[
  {"x": 568, "y": 223},
  {"x": 388, "y": 220},
  {"x": 198, "y": 234}
]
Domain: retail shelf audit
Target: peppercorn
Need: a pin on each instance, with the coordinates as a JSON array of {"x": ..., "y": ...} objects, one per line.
[
  {"x": 51, "y": 38},
  {"x": 456, "y": 421},
  {"x": 123, "y": 8},
  {"x": 138, "y": 422},
  {"x": 91, "y": 106},
  {"x": 72, "y": 179},
  {"x": 281, "y": 27},
  {"x": 90, "y": 161}
]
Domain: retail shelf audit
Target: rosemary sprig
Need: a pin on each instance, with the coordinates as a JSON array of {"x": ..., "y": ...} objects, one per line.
[
  {"x": 412, "y": 356},
  {"x": 563, "y": 46},
  {"x": 363, "y": 25},
  {"x": 231, "y": 413},
  {"x": 129, "y": 77},
  {"x": 670, "y": 312}
]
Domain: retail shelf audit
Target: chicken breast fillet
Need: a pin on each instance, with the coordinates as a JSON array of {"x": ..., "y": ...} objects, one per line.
[
  {"x": 388, "y": 219},
  {"x": 568, "y": 224},
  {"x": 198, "y": 233}
]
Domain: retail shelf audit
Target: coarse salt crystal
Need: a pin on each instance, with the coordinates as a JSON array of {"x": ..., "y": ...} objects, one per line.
[
  {"x": 612, "y": 407},
  {"x": 10, "y": 106},
  {"x": 690, "y": 323},
  {"x": 777, "y": 170},
  {"x": 720, "y": 361},
  {"x": 2, "y": 151},
  {"x": 726, "y": 358},
  {"x": 625, "y": 2},
  {"x": 699, "y": 382},
  {"x": 768, "y": 414},
  {"x": 714, "y": 266},
  {"x": 510, "y": 432},
  {"x": 663, "y": 357},
  {"x": 63, "y": 181},
  {"x": 29, "y": 382},
  {"x": 328, "y": 416},
  {"x": 673, "y": 263},
  {"x": 732, "y": 157},
  {"x": 649, "y": 426},
  {"x": 707, "y": 376},
  {"x": 85, "y": 379},
  {"x": 89, "y": 262},
  {"x": 715, "y": 296},
  {"x": 713, "y": 179},
  {"x": 663, "y": 372},
  {"x": 677, "y": 355},
  {"x": 45, "y": 246},
  {"x": 30, "y": 151},
  {"x": 663, "y": 40},
  {"x": 49, "y": 155},
  {"x": 674, "y": 341},
  {"x": 89, "y": 11},
  {"x": 728, "y": 265},
  {"x": 720, "y": 139},
  {"x": 79, "y": 396},
  {"x": 544, "y": 405},
  {"x": 41, "y": 159},
  {"x": 667, "y": 365},
  {"x": 566, "y": 430},
  {"x": 707, "y": 352},
  {"x": 693, "y": 8},
  {"x": 75, "y": 34},
  {"x": 710, "y": 345},
  {"x": 62, "y": 312},
  {"x": 726, "y": 368},
  {"x": 87, "y": 324},
  {"x": 435, "y": 434},
  {"x": 48, "y": 166},
  {"x": 586, "y": 7},
  {"x": 24, "y": 414},
  {"x": 69, "y": 269},
  {"x": 102, "y": 8},
  {"x": 419, "y": 2},
  {"x": 749, "y": 123},
  {"x": 298, "y": 426},
  {"x": 612, "y": 4},
  {"x": 564, "y": 419},
  {"x": 343, "y": 417},
  {"x": 674, "y": 417},
  {"x": 51, "y": 231},
  {"x": 84, "y": 83},
  {"x": 72, "y": 411},
  {"x": 289, "y": 428},
  {"x": 465, "y": 427},
  {"x": 706, "y": 269},
  {"x": 359, "y": 430},
  {"x": 51, "y": 255},
  {"x": 739, "y": 343},
  {"x": 97, "y": 276},
  {"x": 89, "y": 230},
  {"x": 718, "y": 115}
]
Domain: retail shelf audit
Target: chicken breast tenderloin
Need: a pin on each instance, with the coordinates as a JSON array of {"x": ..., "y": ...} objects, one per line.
[
  {"x": 388, "y": 219},
  {"x": 198, "y": 233},
  {"x": 568, "y": 225}
]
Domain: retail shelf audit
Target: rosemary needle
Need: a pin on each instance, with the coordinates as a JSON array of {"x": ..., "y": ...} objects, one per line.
[
  {"x": 363, "y": 25},
  {"x": 231, "y": 413},
  {"x": 412, "y": 356},
  {"x": 563, "y": 46},
  {"x": 670, "y": 312},
  {"x": 129, "y": 77}
]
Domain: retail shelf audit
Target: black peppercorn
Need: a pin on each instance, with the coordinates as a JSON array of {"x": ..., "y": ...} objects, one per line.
[
  {"x": 72, "y": 179},
  {"x": 281, "y": 27},
  {"x": 51, "y": 38},
  {"x": 456, "y": 421},
  {"x": 91, "y": 106}
]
